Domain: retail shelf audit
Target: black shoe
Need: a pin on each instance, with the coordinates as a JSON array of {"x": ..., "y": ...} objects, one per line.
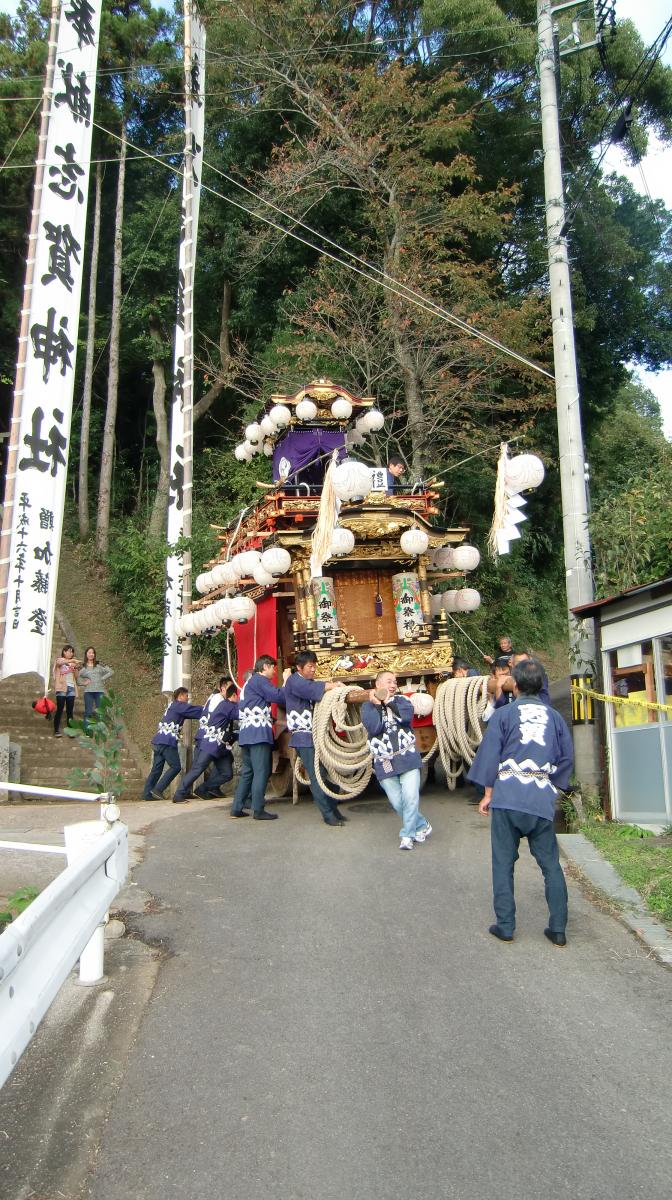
[
  {"x": 181, "y": 799},
  {"x": 265, "y": 816},
  {"x": 155, "y": 795},
  {"x": 557, "y": 939},
  {"x": 243, "y": 813},
  {"x": 333, "y": 820},
  {"x": 199, "y": 795},
  {"x": 338, "y": 814},
  {"x": 499, "y": 933}
]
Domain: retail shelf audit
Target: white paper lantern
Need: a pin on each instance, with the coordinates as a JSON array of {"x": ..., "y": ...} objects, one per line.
[
  {"x": 342, "y": 541},
  {"x": 267, "y": 426},
  {"x": 276, "y": 560},
  {"x": 253, "y": 432},
  {"x": 352, "y": 480},
  {"x": 262, "y": 576},
  {"x": 449, "y": 601},
  {"x": 221, "y": 575},
  {"x": 361, "y": 427},
  {"x": 228, "y": 575},
  {"x": 422, "y": 702},
  {"x": 249, "y": 559},
  {"x": 187, "y": 622},
  {"x": 222, "y": 611},
  {"x": 443, "y": 558},
  {"x": 179, "y": 627},
  {"x": 242, "y": 453},
  {"x": 237, "y": 566},
  {"x": 466, "y": 558},
  {"x": 306, "y": 410},
  {"x": 373, "y": 420},
  {"x": 280, "y": 416},
  {"x": 414, "y": 541},
  {"x": 242, "y": 609},
  {"x": 341, "y": 409},
  {"x": 201, "y": 582},
  {"x": 353, "y": 439},
  {"x": 268, "y": 449},
  {"x": 522, "y": 472},
  {"x": 467, "y": 600},
  {"x": 199, "y": 624}
]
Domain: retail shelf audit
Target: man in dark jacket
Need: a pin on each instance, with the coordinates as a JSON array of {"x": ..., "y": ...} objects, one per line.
[
  {"x": 387, "y": 718},
  {"x": 165, "y": 743},
  {"x": 302, "y": 692},
  {"x": 525, "y": 755},
  {"x": 256, "y": 738},
  {"x": 210, "y": 747}
]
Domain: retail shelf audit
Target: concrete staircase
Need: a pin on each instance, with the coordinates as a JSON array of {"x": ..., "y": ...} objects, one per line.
[{"x": 47, "y": 761}]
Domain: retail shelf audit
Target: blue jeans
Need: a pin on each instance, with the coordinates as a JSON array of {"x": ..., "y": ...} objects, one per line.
[
  {"x": 202, "y": 760},
  {"x": 324, "y": 802},
  {"x": 403, "y": 793},
  {"x": 91, "y": 704},
  {"x": 222, "y": 772},
  {"x": 254, "y": 775},
  {"x": 167, "y": 757},
  {"x": 507, "y": 827}
]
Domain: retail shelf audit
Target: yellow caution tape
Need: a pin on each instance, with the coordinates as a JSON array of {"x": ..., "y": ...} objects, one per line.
[{"x": 621, "y": 699}]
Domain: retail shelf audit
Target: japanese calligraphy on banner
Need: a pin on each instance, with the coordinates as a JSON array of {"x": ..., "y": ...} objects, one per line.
[
  {"x": 172, "y": 650},
  {"x": 44, "y": 432}
]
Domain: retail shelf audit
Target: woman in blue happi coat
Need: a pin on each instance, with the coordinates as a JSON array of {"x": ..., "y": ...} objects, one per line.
[{"x": 525, "y": 756}]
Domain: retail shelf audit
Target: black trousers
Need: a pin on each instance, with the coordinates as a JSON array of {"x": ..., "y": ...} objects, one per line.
[{"x": 63, "y": 702}]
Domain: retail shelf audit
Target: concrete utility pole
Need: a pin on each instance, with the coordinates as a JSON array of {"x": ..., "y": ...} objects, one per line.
[
  {"x": 579, "y": 581},
  {"x": 188, "y": 318}
]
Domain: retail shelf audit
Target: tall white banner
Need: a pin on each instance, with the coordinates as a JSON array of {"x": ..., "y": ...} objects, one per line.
[
  {"x": 172, "y": 650},
  {"x": 44, "y": 434}
]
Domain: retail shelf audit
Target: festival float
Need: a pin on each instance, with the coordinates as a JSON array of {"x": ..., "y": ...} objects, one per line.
[{"x": 332, "y": 560}]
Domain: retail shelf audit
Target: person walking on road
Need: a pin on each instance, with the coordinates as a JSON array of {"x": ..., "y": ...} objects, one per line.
[
  {"x": 387, "y": 718},
  {"x": 210, "y": 747},
  {"x": 256, "y": 739},
  {"x": 166, "y": 764},
  {"x": 525, "y": 755},
  {"x": 94, "y": 676},
  {"x": 302, "y": 691}
]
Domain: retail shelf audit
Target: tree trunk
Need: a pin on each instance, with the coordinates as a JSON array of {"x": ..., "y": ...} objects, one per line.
[
  {"x": 107, "y": 456},
  {"x": 206, "y": 401},
  {"x": 83, "y": 491},
  {"x": 157, "y": 519}
]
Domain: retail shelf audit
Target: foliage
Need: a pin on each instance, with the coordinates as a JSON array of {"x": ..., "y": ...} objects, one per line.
[
  {"x": 102, "y": 735},
  {"x": 17, "y": 903},
  {"x": 642, "y": 860},
  {"x": 632, "y": 534}
]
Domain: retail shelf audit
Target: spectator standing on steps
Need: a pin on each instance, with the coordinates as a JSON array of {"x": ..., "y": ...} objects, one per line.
[
  {"x": 302, "y": 692},
  {"x": 66, "y": 670},
  {"x": 166, "y": 763},
  {"x": 387, "y": 718},
  {"x": 525, "y": 755},
  {"x": 94, "y": 676},
  {"x": 256, "y": 739}
]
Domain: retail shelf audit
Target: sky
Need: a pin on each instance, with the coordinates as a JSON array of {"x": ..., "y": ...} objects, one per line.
[{"x": 654, "y": 174}]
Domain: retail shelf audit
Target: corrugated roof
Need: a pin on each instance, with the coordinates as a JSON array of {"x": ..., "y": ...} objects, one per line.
[{"x": 658, "y": 585}]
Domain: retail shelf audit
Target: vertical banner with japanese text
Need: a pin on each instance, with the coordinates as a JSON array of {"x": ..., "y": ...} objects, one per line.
[
  {"x": 44, "y": 431},
  {"x": 172, "y": 650}
]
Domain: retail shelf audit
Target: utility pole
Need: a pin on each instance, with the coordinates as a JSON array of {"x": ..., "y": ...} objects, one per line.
[{"x": 578, "y": 573}]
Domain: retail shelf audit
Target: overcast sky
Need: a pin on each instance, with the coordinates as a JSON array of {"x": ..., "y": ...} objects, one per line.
[{"x": 655, "y": 173}]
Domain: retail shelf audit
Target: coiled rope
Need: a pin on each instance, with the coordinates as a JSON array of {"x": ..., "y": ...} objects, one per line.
[
  {"x": 343, "y": 762},
  {"x": 458, "y": 707}
]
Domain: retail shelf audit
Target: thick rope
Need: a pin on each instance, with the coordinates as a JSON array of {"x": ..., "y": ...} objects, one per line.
[
  {"x": 342, "y": 762},
  {"x": 458, "y": 707}
]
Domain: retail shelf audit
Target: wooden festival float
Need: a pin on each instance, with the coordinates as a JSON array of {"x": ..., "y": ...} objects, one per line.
[{"x": 365, "y": 601}]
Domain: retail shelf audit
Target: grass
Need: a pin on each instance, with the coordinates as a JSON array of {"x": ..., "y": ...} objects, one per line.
[{"x": 642, "y": 860}]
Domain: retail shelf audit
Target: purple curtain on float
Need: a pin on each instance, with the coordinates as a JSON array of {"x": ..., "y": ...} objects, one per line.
[{"x": 304, "y": 455}]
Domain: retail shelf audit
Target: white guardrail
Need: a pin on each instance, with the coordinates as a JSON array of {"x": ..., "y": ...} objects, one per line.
[{"x": 63, "y": 925}]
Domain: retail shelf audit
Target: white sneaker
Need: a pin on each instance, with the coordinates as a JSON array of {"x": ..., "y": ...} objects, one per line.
[
  {"x": 406, "y": 844},
  {"x": 421, "y": 835}
]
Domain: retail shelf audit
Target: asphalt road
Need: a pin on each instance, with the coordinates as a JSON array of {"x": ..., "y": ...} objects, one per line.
[{"x": 334, "y": 1021}]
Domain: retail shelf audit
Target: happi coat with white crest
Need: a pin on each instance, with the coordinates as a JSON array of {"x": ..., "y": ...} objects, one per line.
[{"x": 525, "y": 755}]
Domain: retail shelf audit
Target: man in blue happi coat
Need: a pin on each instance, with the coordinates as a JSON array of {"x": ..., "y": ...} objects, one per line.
[
  {"x": 387, "y": 718},
  {"x": 302, "y": 692},
  {"x": 166, "y": 762},
  {"x": 525, "y": 755},
  {"x": 212, "y": 746},
  {"x": 256, "y": 739}
]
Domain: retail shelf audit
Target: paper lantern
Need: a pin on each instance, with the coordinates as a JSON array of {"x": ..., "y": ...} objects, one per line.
[
  {"x": 187, "y": 623},
  {"x": 341, "y": 409},
  {"x": 242, "y": 609},
  {"x": 201, "y": 585},
  {"x": 306, "y": 410},
  {"x": 253, "y": 432},
  {"x": 262, "y": 576},
  {"x": 221, "y": 575},
  {"x": 523, "y": 471},
  {"x": 276, "y": 560},
  {"x": 280, "y": 416},
  {"x": 422, "y": 702},
  {"x": 351, "y": 480},
  {"x": 342, "y": 541},
  {"x": 222, "y": 611},
  {"x": 361, "y": 426},
  {"x": 466, "y": 558},
  {"x": 449, "y": 601},
  {"x": 249, "y": 559},
  {"x": 242, "y": 453},
  {"x": 353, "y": 438},
  {"x": 268, "y": 449},
  {"x": 414, "y": 541},
  {"x": 373, "y": 420},
  {"x": 467, "y": 600},
  {"x": 443, "y": 558},
  {"x": 267, "y": 426}
]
